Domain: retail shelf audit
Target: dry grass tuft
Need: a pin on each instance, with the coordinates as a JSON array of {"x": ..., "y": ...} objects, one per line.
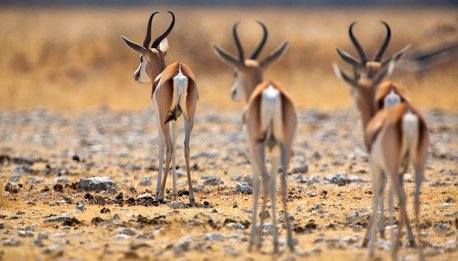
[{"x": 73, "y": 59}]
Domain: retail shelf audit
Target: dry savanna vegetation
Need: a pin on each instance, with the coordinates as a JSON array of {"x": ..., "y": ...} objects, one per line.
[
  {"x": 70, "y": 109},
  {"x": 74, "y": 59}
]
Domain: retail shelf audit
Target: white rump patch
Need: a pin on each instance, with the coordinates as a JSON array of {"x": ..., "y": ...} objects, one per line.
[
  {"x": 180, "y": 88},
  {"x": 391, "y": 99},
  {"x": 271, "y": 113},
  {"x": 410, "y": 135}
]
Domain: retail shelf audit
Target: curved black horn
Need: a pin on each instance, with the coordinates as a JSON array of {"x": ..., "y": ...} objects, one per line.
[
  {"x": 148, "y": 31},
  {"x": 378, "y": 55},
  {"x": 258, "y": 50},
  {"x": 358, "y": 47},
  {"x": 164, "y": 35},
  {"x": 237, "y": 43}
]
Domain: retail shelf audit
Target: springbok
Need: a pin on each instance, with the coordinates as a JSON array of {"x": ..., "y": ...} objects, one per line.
[
  {"x": 395, "y": 135},
  {"x": 174, "y": 93},
  {"x": 270, "y": 120},
  {"x": 368, "y": 69}
]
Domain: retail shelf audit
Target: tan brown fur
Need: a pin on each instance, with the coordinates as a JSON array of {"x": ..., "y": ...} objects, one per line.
[
  {"x": 162, "y": 94},
  {"x": 249, "y": 82}
]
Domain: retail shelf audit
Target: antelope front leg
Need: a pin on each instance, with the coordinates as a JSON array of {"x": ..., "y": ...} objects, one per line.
[{"x": 187, "y": 133}]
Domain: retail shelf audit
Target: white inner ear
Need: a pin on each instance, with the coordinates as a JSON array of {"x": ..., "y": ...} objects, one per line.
[
  {"x": 237, "y": 90},
  {"x": 143, "y": 78},
  {"x": 337, "y": 71},
  {"x": 164, "y": 45}
]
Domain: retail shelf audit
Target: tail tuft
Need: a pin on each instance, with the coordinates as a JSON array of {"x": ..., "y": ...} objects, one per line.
[
  {"x": 180, "y": 88},
  {"x": 410, "y": 134}
]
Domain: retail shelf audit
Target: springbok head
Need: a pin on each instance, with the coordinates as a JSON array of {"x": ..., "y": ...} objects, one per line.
[
  {"x": 369, "y": 68},
  {"x": 364, "y": 89},
  {"x": 151, "y": 58},
  {"x": 248, "y": 72}
]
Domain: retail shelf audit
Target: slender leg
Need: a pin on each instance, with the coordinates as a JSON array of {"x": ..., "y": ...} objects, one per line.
[
  {"x": 376, "y": 187},
  {"x": 381, "y": 221},
  {"x": 187, "y": 133},
  {"x": 284, "y": 191},
  {"x": 376, "y": 183},
  {"x": 273, "y": 192},
  {"x": 255, "y": 207},
  {"x": 265, "y": 191},
  {"x": 418, "y": 177},
  {"x": 168, "y": 157},
  {"x": 161, "y": 162},
  {"x": 404, "y": 215},
  {"x": 256, "y": 159},
  {"x": 391, "y": 213},
  {"x": 173, "y": 138}
]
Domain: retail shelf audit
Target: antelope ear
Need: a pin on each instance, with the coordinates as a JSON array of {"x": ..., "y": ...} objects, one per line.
[
  {"x": 343, "y": 76},
  {"x": 136, "y": 47},
  {"x": 164, "y": 46},
  {"x": 395, "y": 57},
  {"x": 386, "y": 71},
  {"x": 277, "y": 54},
  {"x": 346, "y": 57},
  {"x": 225, "y": 56}
]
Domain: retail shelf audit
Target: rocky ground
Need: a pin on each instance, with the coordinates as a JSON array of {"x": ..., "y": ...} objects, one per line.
[{"x": 53, "y": 207}]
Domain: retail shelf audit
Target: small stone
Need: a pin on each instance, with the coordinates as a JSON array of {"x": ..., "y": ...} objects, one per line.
[
  {"x": 243, "y": 188},
  {"x": 301, "y": 169},
  {"x": 235, "y": 226},
  {"x": 137, "y": 245},
  {"x": 211, "y": 180},
  {"x": 12, "y": 242},
  {"x": 126, "y": 231},
  {"x": 96, "y": 184},
  {"x": 76, "y": 158},
  {"x": 213, "y": 237},
  {"x": 176, "y": 204},
  {"x": 54, "y": 250},
  {"x": 80, "y": 206},
  {"x": 146, "y": 181},
  {"x": 38, "y": 241},
  {"x": 183, "y": 245},
  {"x": 24, "y": 233},
  {"x": 282, "y": 217}
]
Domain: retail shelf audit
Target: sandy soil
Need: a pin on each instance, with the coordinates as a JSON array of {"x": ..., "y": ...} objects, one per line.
[{"x": 44, "y": 215}]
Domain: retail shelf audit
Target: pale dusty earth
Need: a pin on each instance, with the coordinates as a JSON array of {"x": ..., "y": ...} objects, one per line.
[{"x": 45, "y": 215}]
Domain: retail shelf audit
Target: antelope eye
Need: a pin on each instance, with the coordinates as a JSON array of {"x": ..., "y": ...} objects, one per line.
[
  {"x": 141, "y": 58},
  {"x": 235, "y": 74}
]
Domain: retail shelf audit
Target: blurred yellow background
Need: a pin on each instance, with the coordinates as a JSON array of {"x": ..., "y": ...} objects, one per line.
[{"x": 72, "y": 59}]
